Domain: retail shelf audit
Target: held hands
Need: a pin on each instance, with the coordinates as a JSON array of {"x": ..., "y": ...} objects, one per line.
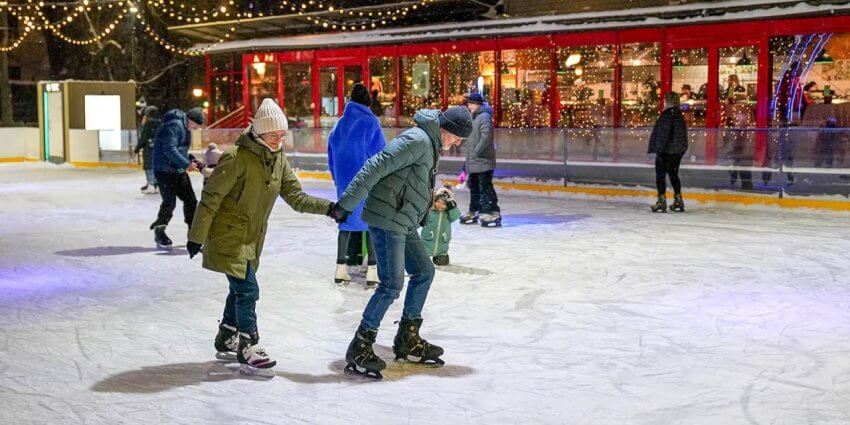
[
  {"x": 194, "y": 248},
  {"x": 337, "y": 213}
]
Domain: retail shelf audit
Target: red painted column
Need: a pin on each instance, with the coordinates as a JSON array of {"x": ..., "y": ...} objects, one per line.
[
  {"x": 618, "y": 86},
  {"x": 280, "y": 99},
  {"x": 208, "y": 83},
  {"x": 712, "y": 106},
  {"x": 666, "y": 73},
  {"x": 763, "y": 104},
  {"x": 317, "y": 104},
  {"x": 444, "y": 80},
  {"x": 497, "y": 87},
  {"x": 246, "y": 86}
]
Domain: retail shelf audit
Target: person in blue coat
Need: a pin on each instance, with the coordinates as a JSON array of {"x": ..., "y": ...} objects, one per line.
[{"x": 355, "y": 138}]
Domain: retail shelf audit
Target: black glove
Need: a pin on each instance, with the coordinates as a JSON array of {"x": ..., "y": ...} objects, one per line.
[
  {"x": 337, "y": 213},
  {"x": 451, "y": 204},
  {"x": 194, "y": 248}
]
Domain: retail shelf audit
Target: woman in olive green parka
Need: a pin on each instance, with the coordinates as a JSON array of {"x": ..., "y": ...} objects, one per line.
[{"x": 232, "y": 218}]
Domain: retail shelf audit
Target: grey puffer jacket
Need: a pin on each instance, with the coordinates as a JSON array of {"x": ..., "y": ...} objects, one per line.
[
  {"x": 398, "y": 180},
  {"x": 480, "y": 148}
]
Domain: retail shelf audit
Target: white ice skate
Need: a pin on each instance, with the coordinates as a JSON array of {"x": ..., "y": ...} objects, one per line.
[
  {"x": 372, "y": 278},
  {"x": 252, "y": 358},
  {"x": 152, "y": 190},
  {"x": 490, "y": 220},
  {"x": 342, "y": 277}
]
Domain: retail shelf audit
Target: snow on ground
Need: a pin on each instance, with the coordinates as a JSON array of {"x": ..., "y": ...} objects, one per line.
[{"x": 576, "y": 312}]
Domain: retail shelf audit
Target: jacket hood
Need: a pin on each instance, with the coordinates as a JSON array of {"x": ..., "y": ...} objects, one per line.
[
  {"x": 249, "y": 141},
  {"x": 429, "y": 120},
  {"x": 485, "y": 107},
  {"x": 175, "y": 115},
  {"x": 354, "y": 108}
]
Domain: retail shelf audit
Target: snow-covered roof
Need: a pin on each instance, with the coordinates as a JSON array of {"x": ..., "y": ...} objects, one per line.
[{"x": 705, "y": 12}]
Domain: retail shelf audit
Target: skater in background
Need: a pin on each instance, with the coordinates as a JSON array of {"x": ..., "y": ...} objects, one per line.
[
  {"x": 827, "y": 144},
  {"x": 669, "y": 141},
  {"x": 231, "y": 224},
  {"x": 353, "y": 140},
  {"x": 480, "y": 164},
  {"x": 398, "y": 184},
  {"x": 438, "y": 232},
  {"x": 211, "y": 158},
  {"x": 374, "y": 104},
  {"x": 150, "y": 123},
  {"x": 171, "y": 165}
]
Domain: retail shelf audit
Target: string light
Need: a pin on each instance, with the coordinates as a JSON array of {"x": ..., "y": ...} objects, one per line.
[{"x": 97, "y": 37}]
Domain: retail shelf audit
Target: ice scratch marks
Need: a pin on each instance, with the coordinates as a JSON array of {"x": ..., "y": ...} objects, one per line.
[{"x": 528, "y": 299}]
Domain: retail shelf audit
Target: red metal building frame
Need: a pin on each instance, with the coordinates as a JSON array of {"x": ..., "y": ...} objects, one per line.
[{"x": 712, "y": 37}]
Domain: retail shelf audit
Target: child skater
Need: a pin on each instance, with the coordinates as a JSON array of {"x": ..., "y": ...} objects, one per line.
[{"x": 438, "y": 233}]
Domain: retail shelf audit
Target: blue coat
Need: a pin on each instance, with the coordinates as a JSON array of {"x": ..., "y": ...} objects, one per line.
[
  {"x": 355, "y": 138},
  {"x": 171, "y": 143}
]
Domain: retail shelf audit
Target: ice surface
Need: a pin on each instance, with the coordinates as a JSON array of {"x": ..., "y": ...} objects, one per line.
[{"x": 575, "y": 312}]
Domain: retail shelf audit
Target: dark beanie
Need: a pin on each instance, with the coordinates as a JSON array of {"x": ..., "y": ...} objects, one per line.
[
  {"x": 197, "y": 115},
  {"x": 151, "y": 112},
  {"x": 457, "y": 120},
  {"x": 475, "y": 98},
  {"x": 360, "y": 94}
]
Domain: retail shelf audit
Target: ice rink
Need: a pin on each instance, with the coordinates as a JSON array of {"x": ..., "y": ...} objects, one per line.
[{"x": 576, "y": 312}]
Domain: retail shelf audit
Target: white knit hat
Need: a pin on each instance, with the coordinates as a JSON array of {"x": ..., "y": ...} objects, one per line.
[{"x": 269, "y": 117}]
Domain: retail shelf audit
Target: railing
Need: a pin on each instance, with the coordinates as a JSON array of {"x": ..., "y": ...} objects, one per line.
[{"x": 793, "y": 161}]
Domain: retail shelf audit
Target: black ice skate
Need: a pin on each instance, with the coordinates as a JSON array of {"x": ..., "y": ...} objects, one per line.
[
  {"x": 408, "y": 344},
  {"x": 469, "y": 218},
  {"x": 441, "y": 260},
  {"x": 678, "y": 204},
  {"x": 661, "y": 205},
  {"x": 360, "y": 358},
  {"x": 226, "y": 342},
  {"x": 162, "y": 240},
  {"x": 252, "y": 357},
  {"x": 491, "y": 220}
]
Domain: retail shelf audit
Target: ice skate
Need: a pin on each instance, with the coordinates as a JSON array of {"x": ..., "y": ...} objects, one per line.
[
  {"x": 491, "y": 220},
  {"x": 151, "y": 190},
  {"x": 409, "y": 344},
  {"x": 144, "y": 189},
  {"x": 441, "y": 260},
  {"x": 372, "y": 279},
  {"x": 252, "y": 358},
  {"x": 162, "y": 240},
  {"x": 226, "y": 342},
  {"x": 678, "y": 204},
  {"x": 342, "y": 277},
  {"x": 661, "y": 205},
  {"x": 360, "y": 358},
  {"x": 469, "y": 218}
]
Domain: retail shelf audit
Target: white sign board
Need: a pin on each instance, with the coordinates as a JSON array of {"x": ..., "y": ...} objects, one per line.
[{"x": 103, "y": 112}]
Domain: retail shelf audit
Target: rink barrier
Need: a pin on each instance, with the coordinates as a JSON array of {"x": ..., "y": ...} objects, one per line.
[
  {"x": 18, "y": 159},
  {"x": 83, "y": 164},
  {"x": 616, "y": 192}
]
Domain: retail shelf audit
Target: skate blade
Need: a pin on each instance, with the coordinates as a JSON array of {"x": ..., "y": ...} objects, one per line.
[
  {"x": 163, "y": 247},
  {"x": 226, "y": 355},
  {"x": 438, "y": 362},
  {"x": 342, "y": 282},
  {"x": 351, "y": 369},
  {"x": 253, "y": 371}
]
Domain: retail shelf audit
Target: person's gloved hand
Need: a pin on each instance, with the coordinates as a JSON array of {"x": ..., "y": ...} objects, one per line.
[
  {"x": 337, "y": 213},
  {"x": 194, "y": 248}
]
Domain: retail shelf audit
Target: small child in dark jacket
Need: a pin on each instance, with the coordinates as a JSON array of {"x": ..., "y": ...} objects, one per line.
[{"x": 438, "y": 232}]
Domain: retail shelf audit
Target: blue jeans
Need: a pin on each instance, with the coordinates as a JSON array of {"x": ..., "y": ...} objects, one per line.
[
  {"x": 151, "y": 178},
  {"x": 397, "y": 252},
  {"x": 239, "y": 309}
]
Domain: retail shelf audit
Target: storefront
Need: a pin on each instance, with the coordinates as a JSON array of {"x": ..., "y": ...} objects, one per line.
[{"x": 739, "y": 74}]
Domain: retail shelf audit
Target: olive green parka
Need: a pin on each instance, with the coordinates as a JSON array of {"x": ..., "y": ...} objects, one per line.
[{"x": 232, "y": 217}]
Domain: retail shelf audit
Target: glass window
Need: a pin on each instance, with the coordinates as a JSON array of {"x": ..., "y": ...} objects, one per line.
[
  {"x": 263, "y": 82},
  {"x": 690, "y": 80},
  {"x": 328, "y": 94},
  {"x": 298, "y": 94},
  {"x": 382, "y": 72},
  {"x": 223, "y": 63},
  {"x": 586, "y": 86},
  {"x": 222, "y": 96},
  {"x": 526, "y": 88},
  {"x": 468, "y": 73},
  {"x": 353, "y": 74},
  {"x": 810, "y": 79},
  {"x": 737, "y": 86},
  {"x": 640, "y": 91},
  {"x": 421, "y": 85}
]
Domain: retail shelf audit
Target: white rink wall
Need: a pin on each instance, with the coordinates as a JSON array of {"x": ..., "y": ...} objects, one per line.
[{"x": 18, "y": 143}]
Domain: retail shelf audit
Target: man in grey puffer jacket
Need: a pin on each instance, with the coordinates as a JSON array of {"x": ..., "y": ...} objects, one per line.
[
  {"x": 399, "y": 182},
  {"x": 480, "y": 163}
]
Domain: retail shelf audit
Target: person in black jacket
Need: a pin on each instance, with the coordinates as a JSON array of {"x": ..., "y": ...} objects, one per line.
[
  {"x": 669, "y": 141},
  {"x": 150, "y": 122}
]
